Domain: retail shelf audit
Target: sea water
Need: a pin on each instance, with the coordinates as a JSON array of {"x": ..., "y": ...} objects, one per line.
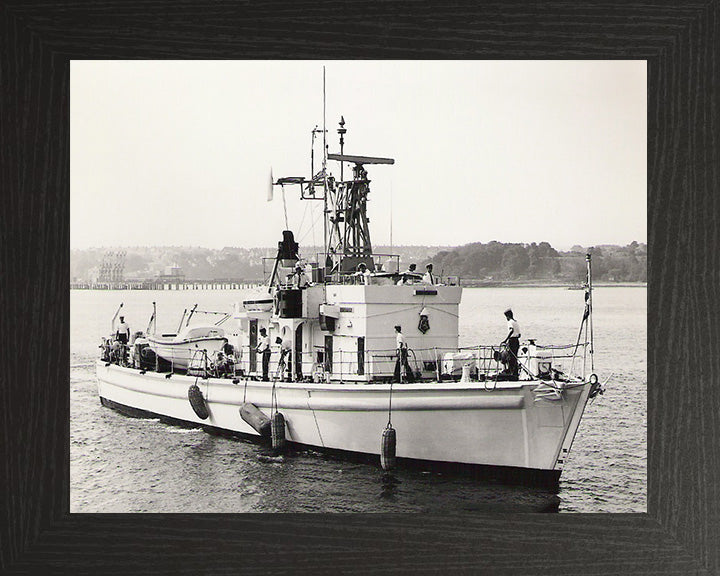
[{"x": 122, "y": 464}]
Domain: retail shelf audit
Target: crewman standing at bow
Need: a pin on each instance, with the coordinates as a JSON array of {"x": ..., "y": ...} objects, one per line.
[{"x": 513, "y": 342}]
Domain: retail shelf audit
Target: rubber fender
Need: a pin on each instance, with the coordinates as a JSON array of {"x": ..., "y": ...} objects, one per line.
[
  {"x": 256, "y": 418},
  {"x": 198, "y": 402},
  {"x": 387, "y": 448},
  {"x": 147, "y": 358},
  {"x": 277, "y": 429}
]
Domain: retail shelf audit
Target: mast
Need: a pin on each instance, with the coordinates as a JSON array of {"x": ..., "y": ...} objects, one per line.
[
  {"x": 588, "y": 258},
  {"x": 346, "y": 232},
  {"x": 326, "y": 240}
]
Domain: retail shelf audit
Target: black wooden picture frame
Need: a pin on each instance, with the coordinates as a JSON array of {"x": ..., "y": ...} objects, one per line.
[{"x": 680, "y": 533}]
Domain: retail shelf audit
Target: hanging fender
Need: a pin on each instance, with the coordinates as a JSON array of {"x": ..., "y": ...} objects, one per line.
[
  {"x": 277, "y": 429},
  {"x": 198, "y": 402},
  {"x": 387, "y": 448},
  {"x": 256, "y": 418}
]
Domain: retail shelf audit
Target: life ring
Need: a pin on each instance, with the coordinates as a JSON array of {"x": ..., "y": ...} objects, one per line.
[{"x": 198, "y": 402}]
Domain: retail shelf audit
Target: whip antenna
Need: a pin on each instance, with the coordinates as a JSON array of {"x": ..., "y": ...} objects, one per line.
[
  {"x": 324, "y": 126},
  {"x": 326, "y": 241},
  {"x": 285, "y": 208},
  {"x": 589, "y": 308}
]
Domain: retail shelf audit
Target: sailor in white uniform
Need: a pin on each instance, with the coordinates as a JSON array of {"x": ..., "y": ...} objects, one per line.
[
  {"x": 428, "y": 277},
  {"x": 513, "y": 342},
  {"x": 264, "y": 349},
  {"x": 402, "y": 357}
]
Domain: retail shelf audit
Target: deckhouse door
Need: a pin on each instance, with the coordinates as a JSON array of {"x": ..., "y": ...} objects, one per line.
[
  {"x": 328, "y": 354},
  {"x": 298, "y": 352},
  {"x": 253, "y": 345},
  {"x": 361, "y": 355}
]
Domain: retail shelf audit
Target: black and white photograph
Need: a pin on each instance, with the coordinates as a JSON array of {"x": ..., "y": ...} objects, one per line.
[{"x": 358, "y": 286}]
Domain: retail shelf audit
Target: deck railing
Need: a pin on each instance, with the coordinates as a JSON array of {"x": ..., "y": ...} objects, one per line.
[
  {"x": 438, "y": 363},
  {"x": 478, "y": 363}
]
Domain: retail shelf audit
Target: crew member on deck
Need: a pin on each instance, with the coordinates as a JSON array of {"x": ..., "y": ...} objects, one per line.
[
  {"x": 123, "y": 331},
  {"x": 363, "y": 274},
  {"x": 513, "y": 341},
  {"x": 234, "y": 356},
  {"x": 428, "y": 277},
  {"x": 402, "y": 357},
  {"x": 123, "y": 336},
  {"x": 408, "y": 277},
  {"x": 299, "y": 278},
  {"x": 264, "y": 349},
  {"x": 285, "y": 362},
  {"x": 225, "y": 361}
]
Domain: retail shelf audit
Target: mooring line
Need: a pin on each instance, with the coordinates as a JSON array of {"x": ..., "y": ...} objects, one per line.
[{"x": 322, "y": 442}]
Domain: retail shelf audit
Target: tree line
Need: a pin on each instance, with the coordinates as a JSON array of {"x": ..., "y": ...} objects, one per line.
[
  {"x": 497, "y": 261},
  {"x": 492, "y": 261}
]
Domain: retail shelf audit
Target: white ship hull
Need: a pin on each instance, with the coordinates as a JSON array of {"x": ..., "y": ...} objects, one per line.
[{"x": 449, "y": 422}]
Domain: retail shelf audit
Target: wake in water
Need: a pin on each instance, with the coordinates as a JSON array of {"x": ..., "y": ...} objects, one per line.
[{"x": 183, "y": 430}]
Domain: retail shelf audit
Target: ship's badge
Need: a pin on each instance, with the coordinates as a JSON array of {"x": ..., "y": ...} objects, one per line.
[{"x": 424, "y": 324}]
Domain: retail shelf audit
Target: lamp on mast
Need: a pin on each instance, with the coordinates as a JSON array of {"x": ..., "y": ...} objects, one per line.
[{"x": 342, "y": 131}]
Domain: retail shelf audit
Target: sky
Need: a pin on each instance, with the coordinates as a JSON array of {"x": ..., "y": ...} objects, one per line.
[{"x": 179, "y": 153}]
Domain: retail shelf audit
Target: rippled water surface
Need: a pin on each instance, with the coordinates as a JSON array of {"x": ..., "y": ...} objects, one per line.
[{"x": 122, "y": 464}]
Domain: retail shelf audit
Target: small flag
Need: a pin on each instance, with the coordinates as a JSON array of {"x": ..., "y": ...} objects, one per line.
[{"x": 270, "y": 187}]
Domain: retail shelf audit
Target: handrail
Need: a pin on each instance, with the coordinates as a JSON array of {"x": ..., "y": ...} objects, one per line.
[
  {"x": 378, "y": 363},
  {"x": 483, "y": 360}
]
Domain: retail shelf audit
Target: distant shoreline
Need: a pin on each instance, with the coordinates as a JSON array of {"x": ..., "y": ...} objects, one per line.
[
  {"x": 464, "y": 284},
  {"x": 540, "y": 284}
]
